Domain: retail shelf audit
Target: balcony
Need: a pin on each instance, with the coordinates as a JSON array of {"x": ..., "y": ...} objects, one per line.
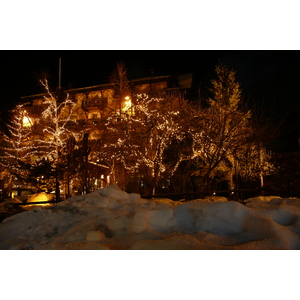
[
  {"x": 35, "y": 110},
  {"x": 96, "y": 103},
  {"x": 88, "y": 123}
]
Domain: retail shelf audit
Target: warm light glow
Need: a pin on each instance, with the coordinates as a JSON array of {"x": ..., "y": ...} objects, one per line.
[
  {"x": 127, "y": 104},
  {"x": 27, "y": 121},
  {"x": 41, "y": 197}
]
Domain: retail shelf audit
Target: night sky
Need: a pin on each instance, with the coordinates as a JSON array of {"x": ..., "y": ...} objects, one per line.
[{"x": 268, "y": 78}]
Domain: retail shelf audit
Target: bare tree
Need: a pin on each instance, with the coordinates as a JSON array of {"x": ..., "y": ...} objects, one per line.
[
  {"x": 55, "y": 122},
  {"x": 120, "y": 85},
  {"x": 139, "y": 138}
]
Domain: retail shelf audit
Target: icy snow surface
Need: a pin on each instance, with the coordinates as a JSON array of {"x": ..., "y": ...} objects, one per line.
[{"x": 113, "y": 219}]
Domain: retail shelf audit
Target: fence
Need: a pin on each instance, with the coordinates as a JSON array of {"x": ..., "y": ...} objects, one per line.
[{"x": 236, "y": 194}]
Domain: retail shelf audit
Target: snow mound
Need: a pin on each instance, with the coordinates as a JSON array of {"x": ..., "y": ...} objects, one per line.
[
  {"x": 216, "y": 198},
  {"x": 110, "y": 218},
  {"x": 261, "y": 200}
]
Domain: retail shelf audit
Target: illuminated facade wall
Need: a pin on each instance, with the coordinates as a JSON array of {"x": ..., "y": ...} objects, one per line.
[{"x": 95, "y": 103}]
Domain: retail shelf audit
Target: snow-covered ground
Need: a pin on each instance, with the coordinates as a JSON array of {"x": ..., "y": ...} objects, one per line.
[{"x": 113, "y": 219}]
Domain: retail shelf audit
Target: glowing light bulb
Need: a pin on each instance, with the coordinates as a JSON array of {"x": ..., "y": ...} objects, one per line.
[{"x": 26, "y": 121}]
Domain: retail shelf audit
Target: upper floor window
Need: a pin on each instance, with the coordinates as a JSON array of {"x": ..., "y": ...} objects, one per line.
[
  {"x": 127, "y": 106},
  {"x": 26, "y": 122}
]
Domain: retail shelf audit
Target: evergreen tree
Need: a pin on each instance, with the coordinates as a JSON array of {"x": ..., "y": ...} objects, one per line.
[
  {"x": 18, "y": 146},
  {"x": 221, "y": 129}
]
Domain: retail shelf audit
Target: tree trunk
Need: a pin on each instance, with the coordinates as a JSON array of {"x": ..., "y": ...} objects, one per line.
[
  {"x": 262, "y": 184},
  {"x": 57, "y": 190},
  {"x": 231, "y": 184}
]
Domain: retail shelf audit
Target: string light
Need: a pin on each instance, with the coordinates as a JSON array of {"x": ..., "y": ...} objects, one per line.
[
  {"x": 17, "y": 146},
  {"x": 137, "y": 142},
  {"x": 135, "y": 138}
]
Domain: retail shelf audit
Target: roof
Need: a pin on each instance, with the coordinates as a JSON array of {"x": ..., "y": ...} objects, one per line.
[{"x": 184, "y": 82}]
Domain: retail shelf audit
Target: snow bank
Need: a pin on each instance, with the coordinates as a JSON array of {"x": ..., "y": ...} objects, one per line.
[{"x": 110, "y": 218}]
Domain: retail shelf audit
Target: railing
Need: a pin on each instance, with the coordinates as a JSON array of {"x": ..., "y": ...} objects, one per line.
[
  {"x": 237, "y": 194},
  {"x": 84, "y": 123},
  {"x": 94, "y": 102},
  {"x": 90, "y": 122},
  {"x": 38, "y": 202},
  {"x": 36, "y": 109}
]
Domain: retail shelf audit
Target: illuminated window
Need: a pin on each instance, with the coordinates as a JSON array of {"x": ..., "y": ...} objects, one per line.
[
  {"x": 127, "y": 105},
  {"x": 27, "y": 122},
  {"x": 102, "y": 181}
]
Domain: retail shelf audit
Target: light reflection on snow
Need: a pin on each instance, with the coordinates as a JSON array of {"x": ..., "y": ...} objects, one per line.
[{"x": 41, "y": 197}]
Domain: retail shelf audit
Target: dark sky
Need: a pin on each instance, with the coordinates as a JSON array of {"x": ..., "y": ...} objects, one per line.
[{"x": 270, "y": 78}]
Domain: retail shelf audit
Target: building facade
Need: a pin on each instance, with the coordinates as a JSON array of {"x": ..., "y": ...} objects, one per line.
[{"x": 94, "y": 104}]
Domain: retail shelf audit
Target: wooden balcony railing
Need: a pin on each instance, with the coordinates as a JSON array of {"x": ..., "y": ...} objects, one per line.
[{"x": 94, "y": 103}]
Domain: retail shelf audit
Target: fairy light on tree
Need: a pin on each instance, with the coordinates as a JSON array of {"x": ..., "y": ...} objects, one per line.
[
  {"x": 222, "y": 127},
  {"x": 253, "y": 161},
  {"x": 139, "y": 141},
  {"x": 17, "y": 145},
  {"x": 55, "y": 121},
  {"x": 144, "y": 136}
]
